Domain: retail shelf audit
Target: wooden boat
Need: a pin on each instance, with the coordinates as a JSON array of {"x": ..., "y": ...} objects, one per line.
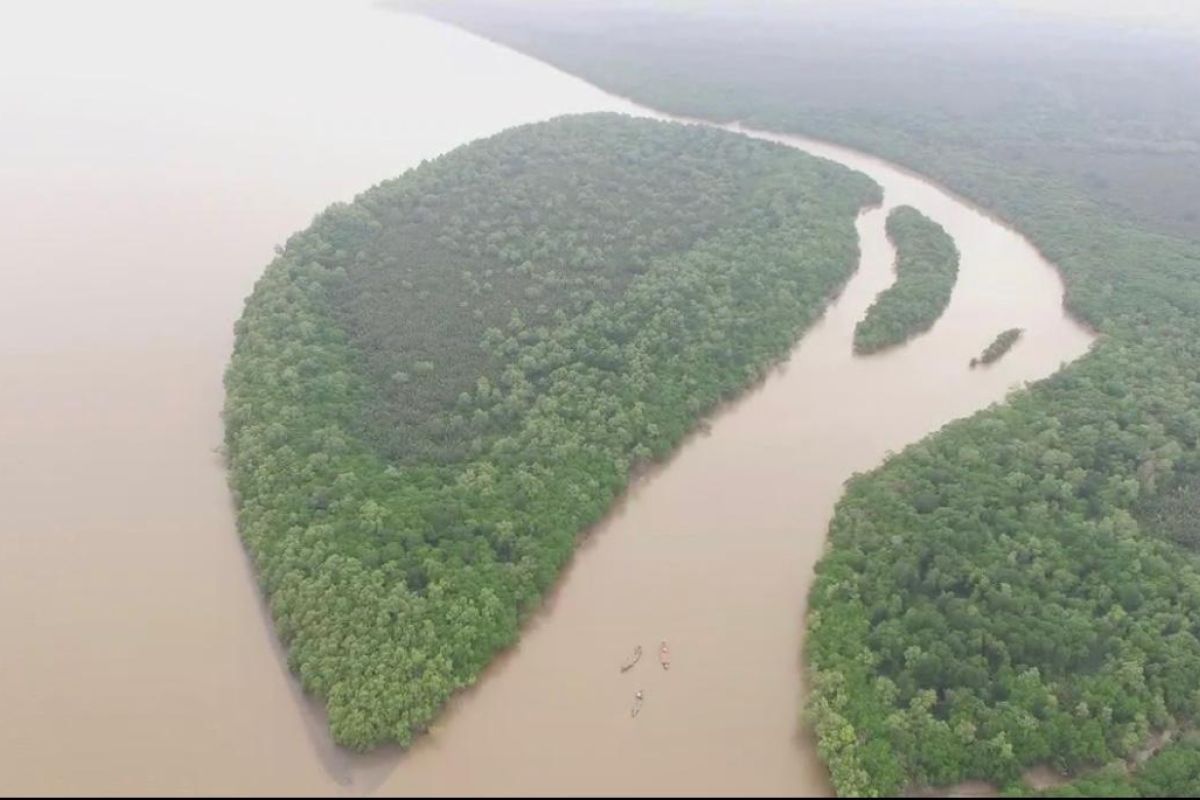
[
  {"x": 664, "y": 656},
  {"x": 637, "y": 655}
]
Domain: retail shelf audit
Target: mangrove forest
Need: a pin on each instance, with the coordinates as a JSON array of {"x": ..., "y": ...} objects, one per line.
[{"x": 437, "y": 387}]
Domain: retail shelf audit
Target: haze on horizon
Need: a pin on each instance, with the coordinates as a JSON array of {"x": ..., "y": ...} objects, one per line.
[{"x": 1173, "y": 16}]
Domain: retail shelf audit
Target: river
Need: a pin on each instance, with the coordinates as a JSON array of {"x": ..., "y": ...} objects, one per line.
[{"x": 144, "y": 180}]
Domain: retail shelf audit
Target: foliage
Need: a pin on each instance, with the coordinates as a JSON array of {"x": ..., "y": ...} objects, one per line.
[
  {"x": 1003, "y": 342},
  {"x": 534, "y": 314},
  {"x": 926, "y": 268},
  {"x": 1012, "y": 590}
]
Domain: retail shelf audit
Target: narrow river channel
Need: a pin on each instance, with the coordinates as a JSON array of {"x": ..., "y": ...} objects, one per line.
[{"x": 144, "y": 181}]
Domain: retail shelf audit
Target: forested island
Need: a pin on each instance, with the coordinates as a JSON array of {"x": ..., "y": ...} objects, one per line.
[
  {"x": 437, "y": 387},
  {"x": 926, "y": 268},
  {"x": 1020, "y": 588},
  {"x": 1003, "y": 342}
]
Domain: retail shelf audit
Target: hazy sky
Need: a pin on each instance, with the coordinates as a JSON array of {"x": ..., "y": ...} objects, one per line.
[
  {"x": 1176, "y": 15},
  {"x": 1156, "y": 12}
]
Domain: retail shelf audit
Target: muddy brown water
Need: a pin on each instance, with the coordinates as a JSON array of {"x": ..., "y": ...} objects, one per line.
[{"x": 149, "y": 160}]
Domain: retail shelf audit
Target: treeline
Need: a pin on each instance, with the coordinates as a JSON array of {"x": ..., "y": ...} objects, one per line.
[
  {"x": 435, "y": 388},
  {"x": 1018, "y": 589},
  {"x": 926, "y": 268},
  {"x": 1003, "y": 342}
]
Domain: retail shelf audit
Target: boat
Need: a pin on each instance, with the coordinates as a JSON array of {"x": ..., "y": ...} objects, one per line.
[
  {"x": 637, "y": 704},
  {"x": 664, "y": 656},
  {"x": 637, "y": 655}
]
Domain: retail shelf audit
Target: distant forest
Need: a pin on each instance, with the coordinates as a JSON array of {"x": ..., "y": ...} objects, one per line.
[
  {"x": 1022, "y": 587},
  {"x": 437, "y": 387}
]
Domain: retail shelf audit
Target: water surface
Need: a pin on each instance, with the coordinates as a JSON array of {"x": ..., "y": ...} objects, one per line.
[{"x": 150, "y": 158}]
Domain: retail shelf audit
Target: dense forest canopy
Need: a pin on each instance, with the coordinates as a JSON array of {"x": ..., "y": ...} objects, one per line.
[
  {"x": 926, "y": 268},
  {"x": 1023, "y": 587},
  {"x": 529, "y": 233},
  {"x": 437, "y": 387}
]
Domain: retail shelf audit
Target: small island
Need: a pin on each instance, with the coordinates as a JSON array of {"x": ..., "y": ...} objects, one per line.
[
  {"x": 999, "y": 346},
  {"x": 926, "y": 269}
]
